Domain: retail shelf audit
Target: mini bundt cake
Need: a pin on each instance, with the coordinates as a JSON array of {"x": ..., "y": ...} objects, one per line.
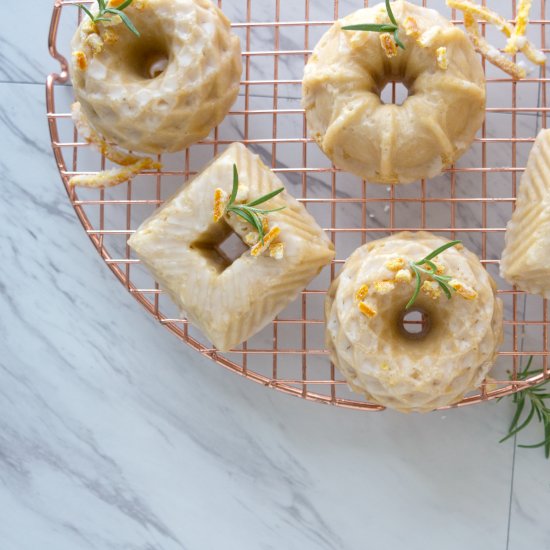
[
  {"x": 367, "y": 334},
  {"x": 164, "y": 90},
  {"x": 436, "y": 124}
]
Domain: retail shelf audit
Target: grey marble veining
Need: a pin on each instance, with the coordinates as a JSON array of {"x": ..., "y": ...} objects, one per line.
[{"x": 116, "y": 436}]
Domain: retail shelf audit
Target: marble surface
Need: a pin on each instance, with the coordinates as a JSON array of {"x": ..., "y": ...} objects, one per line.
[{"x": 114, "y": 435}]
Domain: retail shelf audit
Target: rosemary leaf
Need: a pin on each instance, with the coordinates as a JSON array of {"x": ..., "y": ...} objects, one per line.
[
  {"x": 445, "y": 289},
  {"x": 235, "y": 189},
  {"x": 431, "y": 273},
  {"x": 124, "y": 4},
  {"x": 521, "y": 426},
  {"x": 125, "y": 20},
  {"x": 103, "y": 9},
  {"x": 87, "y": 11},
  {"x": 244, "y": 215},
  {"x": 247, "y": 211},
  {"x": 517, "y": 415},
  {"x": 536, "y": 396},
  {"x": 390, "y": 13},
  {"x": 418, "y": 285},
  {"x": 373, "y": 27},
  {"x": 397, "y": 40},
  {"x": 267, "y": 197},
  {"x": 438, "y": 251},
  {"x": 258, "y": 211}
]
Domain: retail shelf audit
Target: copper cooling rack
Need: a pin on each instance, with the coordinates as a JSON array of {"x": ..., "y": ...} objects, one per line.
[{"x": 471, "y": 201}]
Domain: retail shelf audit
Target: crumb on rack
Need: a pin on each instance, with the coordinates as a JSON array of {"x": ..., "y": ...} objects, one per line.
[
  {"x": 362, "y": 293},
  {"x": 366, "y": 310},
  {"x": 388, "y": 44},
  {"x": 260, "y": 247}
]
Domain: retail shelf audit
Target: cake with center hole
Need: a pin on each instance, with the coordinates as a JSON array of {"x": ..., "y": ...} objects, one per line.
[
  {"x": 181, "y": 246},
  {"x": 165, "y": 89},
  {"x": 389, "y": 143},
  {"x": 433, "y": 361}
]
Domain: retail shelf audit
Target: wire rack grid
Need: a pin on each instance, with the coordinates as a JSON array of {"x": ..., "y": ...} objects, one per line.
[{"x": 472, "y": 200}]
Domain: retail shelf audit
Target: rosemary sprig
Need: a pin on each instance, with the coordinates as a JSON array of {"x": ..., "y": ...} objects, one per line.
[
  {"x": 431, "y": 272},
  {"x": 373, "y": 27},
  {"x": 249, "y": 212},
  {"x": 534, "y": 396},
  {"x": 105, "y": 12}
]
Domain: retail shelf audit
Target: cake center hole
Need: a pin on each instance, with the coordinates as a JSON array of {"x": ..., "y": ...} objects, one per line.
[
  {"x": 415, "y": 324},
  {"x": 155, "y": 64},
  {"x": 394, "y": 92},
  {"x": 220, "y": 245},
  {"x": 232, "y": 248}
]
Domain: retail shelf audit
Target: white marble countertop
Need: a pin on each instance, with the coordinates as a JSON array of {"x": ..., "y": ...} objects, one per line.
[{"x": 115, "y": 435}]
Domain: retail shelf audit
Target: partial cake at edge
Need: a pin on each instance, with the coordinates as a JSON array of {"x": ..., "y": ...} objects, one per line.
[{"x": 525, "y": 261}]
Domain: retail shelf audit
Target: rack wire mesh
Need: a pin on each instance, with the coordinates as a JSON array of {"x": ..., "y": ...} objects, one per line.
[{"x": 473, "y": 200}]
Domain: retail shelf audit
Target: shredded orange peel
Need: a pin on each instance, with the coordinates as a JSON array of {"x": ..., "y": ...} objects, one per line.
[
  {"x": 442, "y": 60},
  {"x": 515, "y": 34},
  {"x": 220, "y": 200},
  {"x": 366, "y": 310},
  {"x": 260, "y": 248},
  {"x": 388, "y": 44},
  {"x": 362, "y": 293},
  {"x": 467, "y": 292},
  {"x": 81, "y": 60},
  {"x": 116, "y": 176},
  {"x": 518, "y": 34},
  {"x": 132, "y": 164}
]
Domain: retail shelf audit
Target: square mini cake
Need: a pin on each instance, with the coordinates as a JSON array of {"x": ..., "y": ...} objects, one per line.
[{"x": 181, "y": 245}]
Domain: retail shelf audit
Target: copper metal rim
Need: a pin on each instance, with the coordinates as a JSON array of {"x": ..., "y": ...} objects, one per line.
[{"x": 313, "y": 377}]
